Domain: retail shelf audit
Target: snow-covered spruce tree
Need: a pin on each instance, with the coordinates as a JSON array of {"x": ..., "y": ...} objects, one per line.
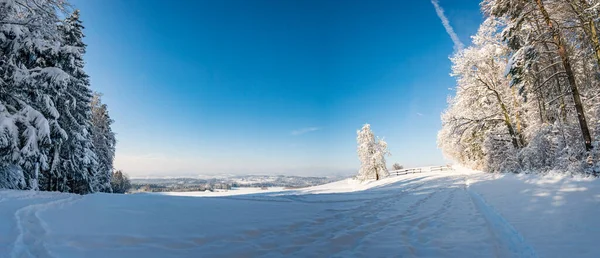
[
  {"x": 75, "y": 167},
  {"x": 104, "y": 142},
  {"x": 11, "y": 177},
  {"x": 28, "y": 80},
  {"x": 45, "y": 100},
  {"x": 371, "y": 154}
]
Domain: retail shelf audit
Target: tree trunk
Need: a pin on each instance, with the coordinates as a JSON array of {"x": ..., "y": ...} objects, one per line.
[
  {"x": 508, "y": 124},
  {"x": 562, "y": 107},
  {"x": 595, "y": 41},
  {"x": 52, "y": 171},
  {"x": 590, "y": 31},
  {"x": 540, "y": 110},
  {"x": 517, "y": 120},
  {"x": 540, "y": 98},
  {"x": 562, "y": 113},
  {"x": 507, "y": 121},
  {"x": 562, "y": 52}
]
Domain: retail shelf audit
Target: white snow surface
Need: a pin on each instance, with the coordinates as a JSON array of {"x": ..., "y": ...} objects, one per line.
[
  {"x": 459, "y": 213},
  {"x": 222, "y": 192}
]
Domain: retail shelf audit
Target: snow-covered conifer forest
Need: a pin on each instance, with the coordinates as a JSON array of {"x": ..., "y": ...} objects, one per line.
[
  {"x": 528, "y": 90},
  {"x": 55, "y": 133}
]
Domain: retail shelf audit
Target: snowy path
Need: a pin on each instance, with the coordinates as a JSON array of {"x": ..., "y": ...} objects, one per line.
[
  {"x": 25, "y": 235},
  {"x": 421, "y": 215}
]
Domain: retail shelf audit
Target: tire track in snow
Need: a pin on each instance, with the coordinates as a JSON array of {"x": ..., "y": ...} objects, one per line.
[
  {"x": 421, "y": 221},
  {"x": 30, "y": 239},
  {"x": 368, "y": 203},
  {"x": 301, "y": 198},
  {"x": 322, "y": 230},
  {"x": 254, "y": 199},
  {"x": 351, "y": 227},
  {"x": 504, "y": 233},
  {"x": 381, "y": 224},
  {"x": 419, "y": 231},
  {"x": 407, "y": 220},
  {"x": 412, "y": 210},
  {"x": 414, "y": 221}
]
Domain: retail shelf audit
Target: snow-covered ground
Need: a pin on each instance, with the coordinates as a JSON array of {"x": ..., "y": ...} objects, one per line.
[
  {"x": 223, "y": 192},
  {"x": 435, "y": 214}
]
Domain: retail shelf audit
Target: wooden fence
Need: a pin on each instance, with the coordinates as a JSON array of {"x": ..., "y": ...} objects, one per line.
[{"x": 418, "y": 170}]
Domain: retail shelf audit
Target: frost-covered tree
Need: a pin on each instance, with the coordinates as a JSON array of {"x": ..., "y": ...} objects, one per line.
[
  {"x": 528, "y": 89},
  {"x": 11, "y": 177},
  {"x": 484, "y": 105},
  {"x": 397, "y": 166},
  {"x": 536, "y": 27},
  {"x": 77, "y": 162},
  {"x": 104, "y": 142},
  {"x": 45, "y": 100},
  {"x": 28, "y": 80},
  {"x": 371, "y": 153}
]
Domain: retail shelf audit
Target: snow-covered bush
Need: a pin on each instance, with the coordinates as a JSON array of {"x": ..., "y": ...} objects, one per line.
[{"x": 500, "y": 155}]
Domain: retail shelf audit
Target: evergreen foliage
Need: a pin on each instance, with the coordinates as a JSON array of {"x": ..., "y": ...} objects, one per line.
[{"x": 46, "y": 119}]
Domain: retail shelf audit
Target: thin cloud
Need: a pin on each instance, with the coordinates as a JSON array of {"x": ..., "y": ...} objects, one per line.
[
  {"x": 419, "y": 114},
  {"x": 305, "y": 130},
  {"x": 458, "y": 45}
]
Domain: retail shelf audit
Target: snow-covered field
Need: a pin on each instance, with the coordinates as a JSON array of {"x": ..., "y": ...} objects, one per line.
[
  {"x": 435, "y": 214},
  {"x": 222, "y": 192}
]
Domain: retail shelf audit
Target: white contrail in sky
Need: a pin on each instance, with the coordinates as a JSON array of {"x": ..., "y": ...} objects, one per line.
[
  {"x": 458, "y": 45},
  {"x": 305, "y": 130}
]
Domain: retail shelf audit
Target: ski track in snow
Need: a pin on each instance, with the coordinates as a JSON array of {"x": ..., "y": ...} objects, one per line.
[
  {"x": 504, "y": 233},
  {"x": 30, "y": 239},
  {"x": 419, "y": 215}
]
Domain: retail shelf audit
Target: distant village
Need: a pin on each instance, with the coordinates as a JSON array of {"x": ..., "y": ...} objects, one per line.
[{"x": 213, "y": 184}]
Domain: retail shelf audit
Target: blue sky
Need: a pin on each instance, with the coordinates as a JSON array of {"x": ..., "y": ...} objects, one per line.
[{"x": 269, "y": 86}]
